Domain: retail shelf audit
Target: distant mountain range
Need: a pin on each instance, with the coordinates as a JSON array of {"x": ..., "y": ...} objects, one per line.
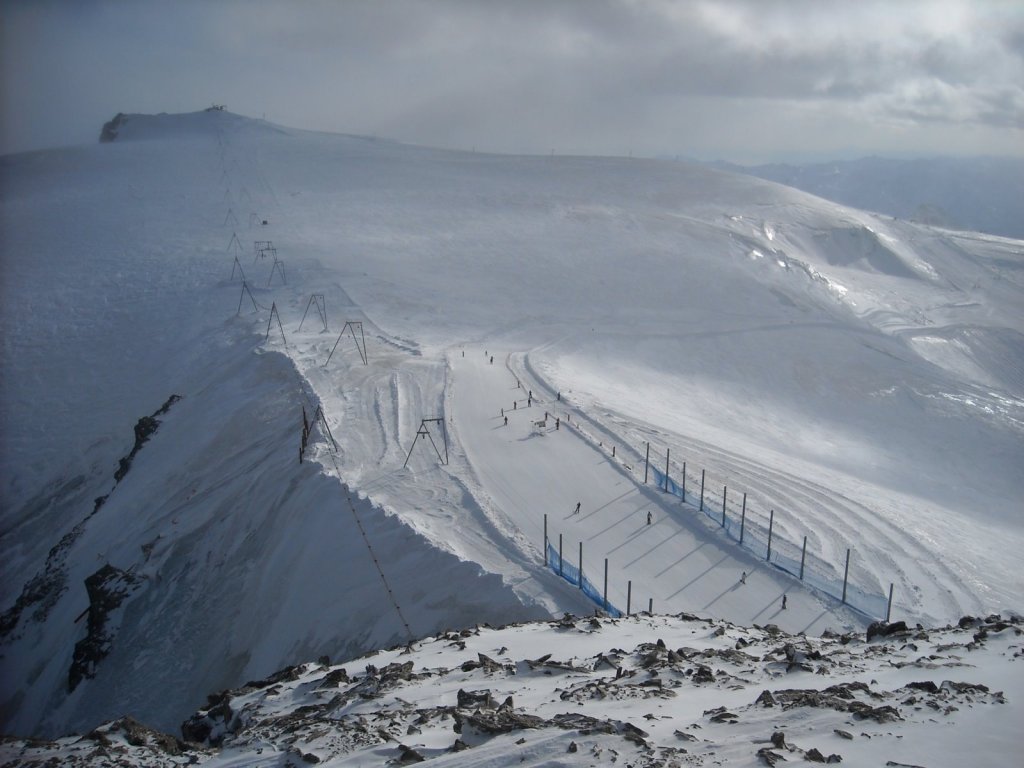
[{"x": 984, "y": 194}]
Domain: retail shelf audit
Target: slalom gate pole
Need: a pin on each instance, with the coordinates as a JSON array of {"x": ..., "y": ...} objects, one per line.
[
  {"x": 647, "y": 461},
  {"x": 771, "y": 524},
  {"x": 702, "y": 490},
  {"x": 725, "y": 495},
  {"x": 888, "y": 608},
  {"x": 545, "y": 539},
  {"x": 668, "y": 452},
  {"x": 559, "y": 554},
  {"x": 803, "y": 557},
  {"x": 629, "y": 597}
]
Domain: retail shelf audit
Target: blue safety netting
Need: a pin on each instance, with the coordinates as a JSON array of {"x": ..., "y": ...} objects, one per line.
[
  {"x": 753, "y": 536},
  {"x": 571, "y": 573}
]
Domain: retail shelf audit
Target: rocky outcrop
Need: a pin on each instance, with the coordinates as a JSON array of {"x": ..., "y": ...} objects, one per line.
[
  {"x": 108, "y": 588},
  {"x": 110, "y": 128}
]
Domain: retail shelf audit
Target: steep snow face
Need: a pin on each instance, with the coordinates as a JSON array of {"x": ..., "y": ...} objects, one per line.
[{"x": 860, "y": 377}]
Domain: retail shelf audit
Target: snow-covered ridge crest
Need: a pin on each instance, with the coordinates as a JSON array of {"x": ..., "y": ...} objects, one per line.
[{"x": 210, "y": 121}]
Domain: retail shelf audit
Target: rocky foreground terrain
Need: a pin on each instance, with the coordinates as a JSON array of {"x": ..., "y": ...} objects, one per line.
[{"x": 640, "y": 691}]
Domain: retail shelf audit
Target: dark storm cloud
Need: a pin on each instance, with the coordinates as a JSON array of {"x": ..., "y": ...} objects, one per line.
[{"x": 578, "y": 75}]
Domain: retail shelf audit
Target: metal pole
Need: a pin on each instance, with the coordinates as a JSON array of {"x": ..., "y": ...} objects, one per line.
[
  {"x": 647, "y": 461},
  {"x": 888, "y": 608},
  {"x": 743, "y": 518},
  {"x": 725, "y": 495},
  {"x": 668, "y": 452},
  {"x": 702, "y": 490},
  {"x": 559, "y": 554},
  {"x": 545, "y": 539},
  {"x": 846, "y": 574},
  {"x": 606, "y": 583},
  {"x": 803, "y": 557},
  {"x": 771, "y": 523},
  {"x": 629, "y": 597},
  {"x": 581, "y": 565}
]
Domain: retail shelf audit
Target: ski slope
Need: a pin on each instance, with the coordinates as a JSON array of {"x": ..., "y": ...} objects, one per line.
[{"x": 860, "y": 376}]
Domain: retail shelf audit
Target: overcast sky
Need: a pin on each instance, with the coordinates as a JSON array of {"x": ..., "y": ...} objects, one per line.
[{"x": 745, "y": 80}]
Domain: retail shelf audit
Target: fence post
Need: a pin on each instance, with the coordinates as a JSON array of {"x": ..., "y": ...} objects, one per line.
[
  {"x": 743, "y": 518},
  {"x": 684, "y": 482},
  {"x": 846, "y": 574},
  {"x": 629, "y": 597},
  {"x": 888, "y": 608},
  {"x": 725, "y": 494},
  {"x": 803, "y": 557},
  {"x": 668, "y": 452},
  {"x": 581, "y": 565},
  {"x": 559, "y": 554},
  {"x": 545, "y": 539},
  {"x": 702, "y": 490},
  {"x": 647, "y": 462},
  {"x": 771, "y": 523},
  {"x": 606, "y": 583}
]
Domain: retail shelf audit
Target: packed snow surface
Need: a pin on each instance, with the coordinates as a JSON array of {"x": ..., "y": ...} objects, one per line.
[{"x": 832, "y": 374}]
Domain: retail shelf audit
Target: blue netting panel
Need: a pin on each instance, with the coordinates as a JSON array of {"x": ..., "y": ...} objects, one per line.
[
  {"x": 571, "y": 573},
  {"x": 752, "y": 535}
]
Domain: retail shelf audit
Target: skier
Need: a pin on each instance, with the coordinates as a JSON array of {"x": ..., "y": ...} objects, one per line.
[
  {"x": 492, "y": 359},
  {"x": 743, "y": 578},
  {"x": 783, "y": 601},
  {"x": 506, "y": 421},
  {"x": 529, "y": 401},
  {"x": 502, "y": 411},
  {"x": 557, "y": 422},
  {"x": 577, "y": 510},
  {"x": 648, "y": 517},
  {"x": 515, "y": 405},
  {"x": 559, "y": 397}
]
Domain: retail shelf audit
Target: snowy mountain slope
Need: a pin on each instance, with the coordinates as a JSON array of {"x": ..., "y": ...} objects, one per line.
[
  {"x": 972, "y": 193},
  {"x": 859, "y": 376},
  {"x": 647, "y": 691}
]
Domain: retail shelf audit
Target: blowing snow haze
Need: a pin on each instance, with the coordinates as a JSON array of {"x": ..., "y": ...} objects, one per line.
[{"x": 271, "y": 395}]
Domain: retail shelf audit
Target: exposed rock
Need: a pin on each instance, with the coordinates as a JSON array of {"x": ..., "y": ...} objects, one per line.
[
  {"x": 408, "y": 755},
  {"x": 769, "y": 757},
  {"x": 882, "y": 629},
  {"x": 107, "y": 589},
  {"x": 110, "y": 128}
]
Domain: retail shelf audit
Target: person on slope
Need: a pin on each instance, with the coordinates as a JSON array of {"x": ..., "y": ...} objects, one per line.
[
  {"x": 649, "y": 517},
  {"x": 577, "y": 510}
]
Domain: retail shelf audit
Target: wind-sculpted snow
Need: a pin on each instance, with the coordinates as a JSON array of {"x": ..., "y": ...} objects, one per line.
[{"x": 858, "y": 375}]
